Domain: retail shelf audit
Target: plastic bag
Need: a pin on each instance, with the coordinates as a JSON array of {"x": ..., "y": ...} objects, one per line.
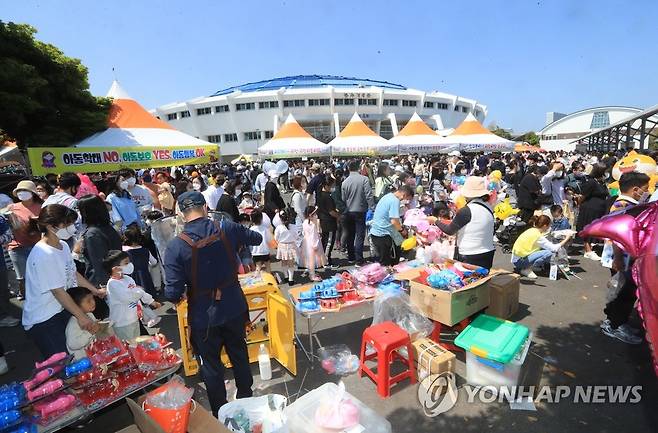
[
  {"x": 150, "y": 318},
  {"x": 370, "y": 274},
  {"x": 614, "y": 286},
  {"x": 175, "y": 395},
  {"x": 339, "y": 413},
  {"x": 338, "y": 359},
  {"x": 255, "y": 414},
  {"x": 397, "y": 308}
]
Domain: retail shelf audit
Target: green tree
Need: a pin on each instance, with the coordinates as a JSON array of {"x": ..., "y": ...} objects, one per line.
[
  {"x": 44, "y": 95},
  {"x": 501, "y": 132},
  {"x": 529, "y": 137}
]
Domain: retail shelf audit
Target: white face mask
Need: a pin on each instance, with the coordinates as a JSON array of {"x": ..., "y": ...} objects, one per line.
[
  {"x": 238, "y": 192},
  {"x": 127, "y": 269},
  {"x": 131, "y": 182},
  {"x": 24, "y": 195},
  {"x": 123, "y": 185},
  {"x": 66, "y": 232},
  {"x": 558, "y": 174},
  {"x": 196, "y": 186}
]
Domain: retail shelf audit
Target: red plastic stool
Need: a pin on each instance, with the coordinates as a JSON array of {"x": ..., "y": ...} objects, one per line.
[
  {"x": 386, "y": 338},
  {"x": 457, "y": 327}
]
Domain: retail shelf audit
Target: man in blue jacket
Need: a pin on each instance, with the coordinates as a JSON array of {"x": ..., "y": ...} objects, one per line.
[{"x": 201, "y": 264}]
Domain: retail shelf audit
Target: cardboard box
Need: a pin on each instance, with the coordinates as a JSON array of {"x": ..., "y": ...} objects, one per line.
[
  {"x": 201, "y": 421},
  {"x": 503, "y": 295},
  {"x": 431, "y": 358},
  {"x": 450, "y": 308}
]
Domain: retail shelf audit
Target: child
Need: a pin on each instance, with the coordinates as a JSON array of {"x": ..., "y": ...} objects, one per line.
[
  {"x": 287, "y": 243},
  {"x": 140, "y": 257},
  {"x": 261, "y": 253},
  {"x": 77, "y": 338},
  {"x": 124, "y": 295},
  {"x": 313, "y": 253},
  {"x": 247, "y": 204},
  {"x": 560, "y": 222},
  {"x": 244, "y": 253}
]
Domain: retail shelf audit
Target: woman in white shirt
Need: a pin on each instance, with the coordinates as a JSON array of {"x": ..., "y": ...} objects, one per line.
[{"x": 50, "y": 270}]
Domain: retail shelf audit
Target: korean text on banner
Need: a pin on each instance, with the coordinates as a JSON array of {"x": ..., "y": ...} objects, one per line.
[{"x": 58, "y": 160}]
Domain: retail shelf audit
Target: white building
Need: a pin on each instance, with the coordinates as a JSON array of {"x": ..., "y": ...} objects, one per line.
[
  {"x": 562, "y": 129},
  {"x": 242, "y": 118}
]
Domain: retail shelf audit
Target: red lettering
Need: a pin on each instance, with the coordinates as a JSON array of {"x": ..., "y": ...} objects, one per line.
[
  {"x": 200, "y": 153},
  {"x": 112, "y": 156}
]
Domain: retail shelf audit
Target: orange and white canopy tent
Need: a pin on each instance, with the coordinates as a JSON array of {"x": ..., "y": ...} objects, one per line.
[
  {"x": 417, "y": 137},
  {"x": 357, "y": 139},
  {"x": 130, "y": 125},
  {"x": 471, "y": 136},
  {"x": 292, "y": 141}
]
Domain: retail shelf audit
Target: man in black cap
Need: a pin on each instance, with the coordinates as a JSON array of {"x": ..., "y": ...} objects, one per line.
[{"x": 202, "y": 264}]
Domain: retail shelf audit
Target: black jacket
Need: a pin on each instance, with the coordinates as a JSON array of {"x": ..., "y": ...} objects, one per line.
[
  {"x": 97, "y": 241},
  {"x": 528, "y": 192}
]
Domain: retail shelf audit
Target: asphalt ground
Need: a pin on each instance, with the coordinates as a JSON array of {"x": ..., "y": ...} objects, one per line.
[{"x": 568, "y": 350}]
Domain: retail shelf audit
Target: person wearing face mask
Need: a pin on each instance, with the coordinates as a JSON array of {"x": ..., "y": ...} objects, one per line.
[
  {"x": 552, "y": 184},
  {"x": 67, "y": 188},
  {"x": 123, "y": 295},
  {"x": 593, "y": 205},
  {"x": 124, "y": 209},
  {"x": 138, "y": 193},
  {"x": 386, "y": 229},
  {"x": 328, "y": 216},
  {"x": 25, "y": 235},
  {"x": 44, "y": 190},
  {"x": 532, "y": 251},
  {"x": 49, "y": 272}
]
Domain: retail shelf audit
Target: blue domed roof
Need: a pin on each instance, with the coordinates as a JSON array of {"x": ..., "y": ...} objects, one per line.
[{"x": 305, "y": 81}]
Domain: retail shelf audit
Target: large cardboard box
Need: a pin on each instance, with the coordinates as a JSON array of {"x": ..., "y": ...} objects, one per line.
[
  {"x": 503, "y": 295},
  {"x": 431, "y": 358},
  {"x": 201, "y": 421},
  {"x": 450, "y": 308}
]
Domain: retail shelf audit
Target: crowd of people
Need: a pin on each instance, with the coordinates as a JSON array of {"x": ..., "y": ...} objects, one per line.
[{"x": 94, "y": 234}]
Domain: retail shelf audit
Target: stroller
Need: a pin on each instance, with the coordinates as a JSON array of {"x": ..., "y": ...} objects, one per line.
[{"x": 508, "y": 231}]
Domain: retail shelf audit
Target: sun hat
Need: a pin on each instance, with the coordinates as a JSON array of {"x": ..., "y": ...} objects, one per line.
[
  {"x": 25, "y": 185},
  {"x": 474, "y": 186},
  {"x": 455, "y": 153}
]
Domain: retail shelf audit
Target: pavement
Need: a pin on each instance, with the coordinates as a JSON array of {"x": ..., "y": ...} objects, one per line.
[{"x": 568, "y": 350}]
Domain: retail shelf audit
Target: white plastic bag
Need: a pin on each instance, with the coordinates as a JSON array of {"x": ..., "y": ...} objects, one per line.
[
  {"x": 247, "y": 415},
  {"x": 397, "y": 308},
  {"x": 614, "y": 286}
]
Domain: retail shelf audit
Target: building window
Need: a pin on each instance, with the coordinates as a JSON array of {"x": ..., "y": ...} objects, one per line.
[
  {"x": 294, "y": 103},
  {"x": 464, "y": 109},
  {"x": 172, "y": 116},
  {"x": 441, "y": 105},
  {"x": 253, "y": 135},
  {"x": 215, "y": 138},
  {"x": 458, "y": 107},
  {"x": 269, "y": 134},
  {"x": 203, "y": 111},
  {"x": 268, "y": 104},
  {"x": 408, "y": 103},
  {"x": 391, "y": 102},
  {"x": 245, "y": 106},
  {"x": 428, "y": 104},
  {"x": 184, "y": 114},
  {"x": 318, "y": 102},
  {"x": 368, "y": 101},
  {"x": 344, "y": 101},
  {"x": 230, "y": 137},
  {"x": 221, "y": 109},
  {"x": 601, "y": 119}
]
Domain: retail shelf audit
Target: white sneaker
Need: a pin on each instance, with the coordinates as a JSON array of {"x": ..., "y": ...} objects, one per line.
[
  {"x": 528, "y": 273},
  {"x": 4, "y": 368},
  {"x": 592, "y": 256}
]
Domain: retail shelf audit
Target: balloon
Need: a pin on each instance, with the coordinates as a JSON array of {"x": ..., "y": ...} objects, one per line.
[
  {"x": 409, "y": 243},
  {"x": 637, "y": 162},
  {"x": 635, "y": 230},
  {"x": 281, "y": 166},
  {"x": 268, "y": 166}
]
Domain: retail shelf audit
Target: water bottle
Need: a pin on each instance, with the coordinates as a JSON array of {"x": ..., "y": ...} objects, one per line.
[
  {"x": 77, "y": 367},
  {"x": 264, "y": 363},
  {"x": 553, "y": 271}
]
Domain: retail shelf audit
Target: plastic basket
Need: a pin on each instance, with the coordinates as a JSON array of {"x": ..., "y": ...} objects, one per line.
[{"x": 171, "y": 420}]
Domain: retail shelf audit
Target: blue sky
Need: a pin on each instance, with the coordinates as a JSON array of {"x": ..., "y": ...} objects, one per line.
[{"x": 520, "y": 58}]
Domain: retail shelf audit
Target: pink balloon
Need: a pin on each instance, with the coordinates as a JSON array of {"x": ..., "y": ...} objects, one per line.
[{"x": 638, "y": 236}]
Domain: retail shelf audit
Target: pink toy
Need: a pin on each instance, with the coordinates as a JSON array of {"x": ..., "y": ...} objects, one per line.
[
  {"x": 53, "y": 359},
  {"x": 86, "y": 186},
  {"x": 634, "y": 230},
  {"x": 45, "y": 389},
  {"x": 339, "y": 416},
  {"x": 40, "y": 377},
  {"x": 328, "y": 365},
  {"x": 61, "y": 404}
]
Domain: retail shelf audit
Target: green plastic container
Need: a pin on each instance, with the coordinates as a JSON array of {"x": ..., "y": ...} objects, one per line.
[{"x": 493, "y": 338}]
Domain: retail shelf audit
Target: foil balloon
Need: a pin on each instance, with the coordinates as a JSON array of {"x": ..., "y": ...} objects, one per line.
[
  {"x": 635, "y": 231},
  {"x": 281, "y": 166}
]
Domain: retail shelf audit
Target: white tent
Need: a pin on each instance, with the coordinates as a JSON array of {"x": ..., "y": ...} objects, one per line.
[
  {"x": 292, "y": 141},
  {"x": 471, "y": 136},
  {"x": 417, "y": 137},
  {"x": 130, "y": 124},
  {"x": 356, "y": 139}
]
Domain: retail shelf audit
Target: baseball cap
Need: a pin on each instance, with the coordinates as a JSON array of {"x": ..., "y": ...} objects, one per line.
[{"x": 190, "y": 199}]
